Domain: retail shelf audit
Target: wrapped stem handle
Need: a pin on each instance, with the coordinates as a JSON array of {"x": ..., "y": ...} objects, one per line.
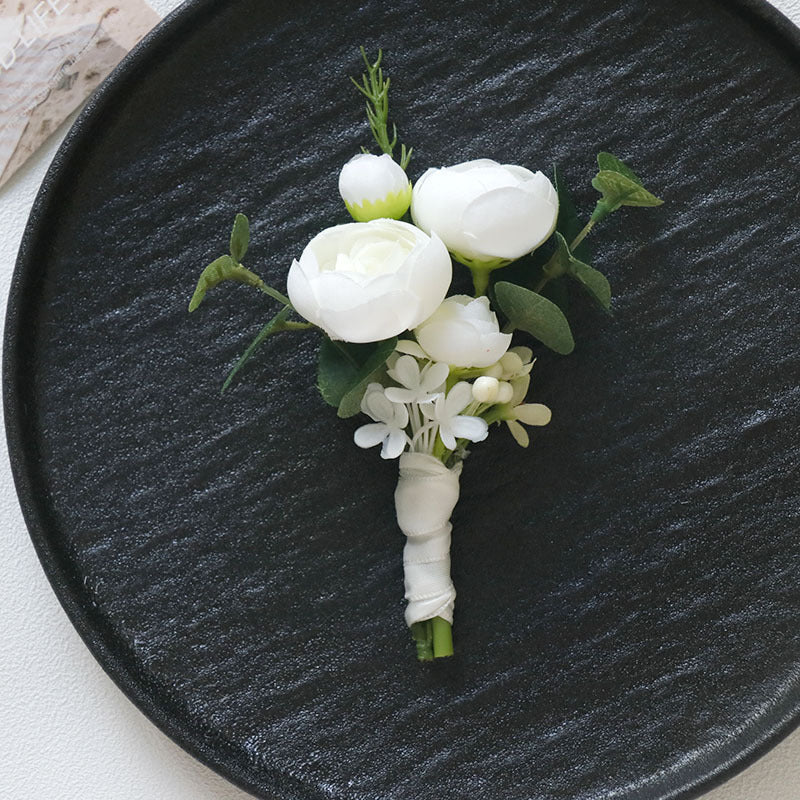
[{"x": 427, "y": 492}]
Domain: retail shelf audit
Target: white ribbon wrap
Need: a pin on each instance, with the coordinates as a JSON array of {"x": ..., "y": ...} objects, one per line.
[{"x": 426, "y": 494}]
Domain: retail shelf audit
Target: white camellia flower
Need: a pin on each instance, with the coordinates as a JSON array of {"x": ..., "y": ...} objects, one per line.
[
  {"x": 488, "y": 214},
  {"x": 368, "y": 281},
  {"x": 374, "y": 187},
  {"x": 463, "y": 332}
]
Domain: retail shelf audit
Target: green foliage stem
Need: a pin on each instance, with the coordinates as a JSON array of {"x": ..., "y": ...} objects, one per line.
[{"x": 277, "y": 324}]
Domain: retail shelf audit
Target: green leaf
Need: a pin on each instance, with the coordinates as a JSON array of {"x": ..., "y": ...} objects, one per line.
[
  {"x": 594, "y": 282},
  {"x": 275, "y": 325},
  {"x": 535, "y": 314},
  {"x": 344, "y": 370},
  {"x": 558, "y": 292},
  {"x": 225, "y": 268},
  {"x": 568, "y": 224},
  {"x": 619, "y": 190},
  {"x": 217, "y": 271},
  {"x": 609, "y": 162},
  {"x": 240, "y": 237},
  {"x": 620, "y": 186}
]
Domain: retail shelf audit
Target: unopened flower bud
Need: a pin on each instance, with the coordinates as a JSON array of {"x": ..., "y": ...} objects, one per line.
[
  {"x": 495, "y": 371},
  {"x": 374, "y": 187},
  {"x": 485, "y": 389},
  {"x": 505, "y": 392}
]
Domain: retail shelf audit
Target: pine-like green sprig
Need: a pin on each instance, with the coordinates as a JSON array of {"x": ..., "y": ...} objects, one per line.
[{"x": 375, "y": 88}]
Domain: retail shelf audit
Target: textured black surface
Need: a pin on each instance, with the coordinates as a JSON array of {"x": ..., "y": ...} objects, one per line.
[{"x": 627, "y": 619}]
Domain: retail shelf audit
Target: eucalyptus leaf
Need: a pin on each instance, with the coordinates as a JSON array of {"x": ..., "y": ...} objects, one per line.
[
  {"x": 590, "y": 279},
  {"x": 541, "y": 318},
  {"x": 620, "y": 186},
  {"x": 619, "y": 190},
  {"x": 221, "y": 269},
  {"x": 594, "y": 282},
  {"x": 275, "y": 325},
  {"x": 225, "y": 268},
  {"x": 344, "y": 370},
  {"x": 609, "y": 162},
  {"x": 240, "y": 237},
  {"x": 557, "y": 291}
]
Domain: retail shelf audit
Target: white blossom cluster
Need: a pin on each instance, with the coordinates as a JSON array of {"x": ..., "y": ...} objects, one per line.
[{"x": 428, "y": 400}]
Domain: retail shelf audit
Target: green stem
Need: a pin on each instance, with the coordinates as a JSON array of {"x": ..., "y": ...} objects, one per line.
[
  {"x": 275, "y": 294},
  {"x": 583, "y": 234},
  {"x": 423, "y": 638},
  {"x": 538, "y": 288},
  {"x": 480, "y": 280},
  {"x": 298, "y": 326},
  {"x": 442, "y": 638}
]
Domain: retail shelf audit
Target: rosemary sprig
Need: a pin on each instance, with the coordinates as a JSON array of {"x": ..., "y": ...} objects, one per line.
[{"x": 376, "y": 90}]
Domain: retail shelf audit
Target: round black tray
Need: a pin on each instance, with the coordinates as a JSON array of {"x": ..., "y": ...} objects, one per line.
[{"x": 627, "y": 620}]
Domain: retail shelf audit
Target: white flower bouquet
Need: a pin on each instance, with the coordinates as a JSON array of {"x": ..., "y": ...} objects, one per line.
[{"x": 433, "y": 373}]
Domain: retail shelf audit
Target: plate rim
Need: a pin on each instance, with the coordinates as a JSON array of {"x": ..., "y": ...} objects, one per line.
[{"x": 64, "y": 583}]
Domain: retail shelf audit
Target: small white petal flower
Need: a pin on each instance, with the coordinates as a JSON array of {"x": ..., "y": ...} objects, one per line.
[
  {"x": 389, "y": 426},
  {"x": 533, "y": 414},
  {"x": 530, "y": 414},
  {"x": 518, "y": 432},
  {"x": 516, "y": 362},
  {"x": 520, "y": 386},
  {"x": 420, "y": 386},
  {"x": 525, "y": 354},
  {"x": 446, "y": 410},
  {"x": 511, "y": 363}
]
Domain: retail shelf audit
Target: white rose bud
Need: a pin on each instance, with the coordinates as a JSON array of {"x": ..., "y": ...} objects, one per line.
[
  {"x": 485, "y": 389},
  {"x": 488, "y": 214},
  {"x": 367, "y": 281},
  {"x": 463, "y": 332},
  {"x": 374, "y": 187}
]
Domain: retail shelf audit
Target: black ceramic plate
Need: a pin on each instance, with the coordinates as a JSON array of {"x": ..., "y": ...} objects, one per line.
[{"x": 627, "y": 620}]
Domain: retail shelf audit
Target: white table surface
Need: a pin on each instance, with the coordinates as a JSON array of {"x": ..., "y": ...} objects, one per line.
[{"x": 66, "y": 731}]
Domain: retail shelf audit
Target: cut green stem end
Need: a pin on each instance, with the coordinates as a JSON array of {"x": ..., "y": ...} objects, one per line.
[
  {"x": 442, "y": 638},
  {"x": 433, "y": 638},
  {"x": 423, "y": 638}
]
